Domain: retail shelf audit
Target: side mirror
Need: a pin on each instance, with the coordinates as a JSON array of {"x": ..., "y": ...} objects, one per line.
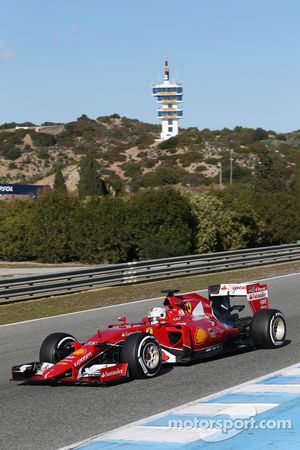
[{"x": 122, "y": 319}]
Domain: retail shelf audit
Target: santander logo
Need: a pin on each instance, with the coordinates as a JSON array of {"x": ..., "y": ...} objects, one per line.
[{"x": 111, "y": 373}]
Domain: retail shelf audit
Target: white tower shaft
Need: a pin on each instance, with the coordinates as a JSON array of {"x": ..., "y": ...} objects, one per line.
[{"x": 169, "y": 97}]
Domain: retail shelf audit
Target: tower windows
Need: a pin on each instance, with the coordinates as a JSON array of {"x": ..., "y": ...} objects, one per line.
[{"x": 169, "y": 95}]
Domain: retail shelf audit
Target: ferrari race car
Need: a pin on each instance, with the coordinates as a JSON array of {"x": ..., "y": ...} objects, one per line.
[{"x": 187, "y": 327}]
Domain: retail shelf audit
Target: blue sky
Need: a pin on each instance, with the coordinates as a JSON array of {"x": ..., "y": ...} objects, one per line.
[{"x": 239, "y": 60}]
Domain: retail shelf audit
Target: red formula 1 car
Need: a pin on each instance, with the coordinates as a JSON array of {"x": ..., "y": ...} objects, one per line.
[{"x": 187, "y": 327}]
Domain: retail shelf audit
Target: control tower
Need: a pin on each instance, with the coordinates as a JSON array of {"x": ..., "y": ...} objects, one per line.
[{"x": 169, "y": 99}]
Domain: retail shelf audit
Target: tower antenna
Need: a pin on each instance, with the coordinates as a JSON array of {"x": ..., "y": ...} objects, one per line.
[{"x": 166, "y": 71}]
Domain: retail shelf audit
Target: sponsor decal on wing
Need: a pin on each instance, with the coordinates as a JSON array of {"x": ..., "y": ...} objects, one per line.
[
  {"x": 112, "y": 373},
  {"x": 83, "y": 359}
]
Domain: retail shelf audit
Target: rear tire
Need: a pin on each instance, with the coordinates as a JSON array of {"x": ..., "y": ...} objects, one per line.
[
  {"x": 268, "y": 328},
  {"x": 142, "y": 353},
  {"x": 55, "y": 347}
]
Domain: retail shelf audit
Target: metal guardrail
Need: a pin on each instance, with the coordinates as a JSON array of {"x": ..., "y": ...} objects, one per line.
[{"x": 32, "y": 287}]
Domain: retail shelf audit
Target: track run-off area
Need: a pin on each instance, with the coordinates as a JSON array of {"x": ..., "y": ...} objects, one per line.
[{"x": 34, "y": 417}]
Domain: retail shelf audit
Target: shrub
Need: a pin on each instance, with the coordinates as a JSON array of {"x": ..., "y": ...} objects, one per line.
[
  {"x": 43, "y": 154},
  {"x": 186, "y": 159},
  {"x": 12, "y": 153},
  {"x": 113, "y": 155},
  {"x": 169, "y": 143},
  {"x": 42, "y": 139},
  {"x": 132, "y": 169},
  {"x": 149, "y": 163},
  {"x": 163, "y": 176},
  {"x": 260, "y": 134}
]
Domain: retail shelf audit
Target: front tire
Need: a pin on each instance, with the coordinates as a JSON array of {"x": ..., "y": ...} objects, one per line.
[
  {"x": 268, "y": 328},
  {"x": 55, "y": 347},
  {"x": 142, "y": 353}
]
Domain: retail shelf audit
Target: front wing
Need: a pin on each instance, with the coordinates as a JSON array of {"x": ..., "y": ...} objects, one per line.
[{"x": 101, "y": 373}]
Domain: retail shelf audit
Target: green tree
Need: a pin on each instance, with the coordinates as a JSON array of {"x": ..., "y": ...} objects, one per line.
[
  {"x": 296, "y": 179},
  {"x": 216, "y": 229},
  {"x": 260, "y": 134},
  {"x": 59, "y": 181},
  {"x": 267, "y": 218},
  {"x": 15, "y": 225},
  {"x": 90, "y": 184},
  {"x": 248, "y": 221},
  {"x": 101, "y": 233},
  {"x": 161, "y": 224},
  {"x": 51, "y": 227},
  {"x": 280, "y": 214},
  {"x": 270, "y": 173}
]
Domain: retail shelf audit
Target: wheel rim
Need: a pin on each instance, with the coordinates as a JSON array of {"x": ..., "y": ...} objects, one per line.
[
  {"x": 61, "y": 351},
  {"x": 151, "y": 356},
  {"x": 278, "y": 329}
]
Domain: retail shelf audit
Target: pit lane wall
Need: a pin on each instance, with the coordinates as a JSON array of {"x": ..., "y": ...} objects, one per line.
[{"x": 260, "y": 414}]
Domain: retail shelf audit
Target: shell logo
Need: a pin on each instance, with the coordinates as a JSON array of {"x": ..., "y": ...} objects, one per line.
[
  {"x": 200, "y": 336},
  {"x": 80, "y": 351}
]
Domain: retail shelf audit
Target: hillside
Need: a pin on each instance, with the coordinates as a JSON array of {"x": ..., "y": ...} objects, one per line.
[{"x": 131, "y": 157}]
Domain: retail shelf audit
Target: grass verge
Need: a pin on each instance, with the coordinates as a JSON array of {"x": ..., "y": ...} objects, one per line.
[
  {"x": 102, "y": 297},
  {"x": 37, "y": 265}
]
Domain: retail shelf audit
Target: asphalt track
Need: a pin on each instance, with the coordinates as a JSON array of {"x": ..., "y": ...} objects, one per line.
[{"x": 34, "y": 417}]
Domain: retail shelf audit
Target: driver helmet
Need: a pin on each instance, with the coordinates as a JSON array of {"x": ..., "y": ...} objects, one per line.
[{"x": 156, "y": 313}]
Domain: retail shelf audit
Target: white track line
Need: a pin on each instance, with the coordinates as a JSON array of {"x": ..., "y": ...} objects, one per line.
[
  {"x": 293, "y": 372},
  {"x": 160, "y": 434},
  {"x": 215, "y": 408},
  {"x": 261, "y": 388},
  {"x": 127, "y": 303},
  {"x": 108, "y": 435}
]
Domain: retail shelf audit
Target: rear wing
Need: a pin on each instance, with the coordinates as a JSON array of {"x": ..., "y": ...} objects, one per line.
[{"x": 256, "y": 293}]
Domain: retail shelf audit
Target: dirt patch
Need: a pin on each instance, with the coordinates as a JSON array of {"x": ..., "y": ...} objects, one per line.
[{"x": 28, "y": 140}]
